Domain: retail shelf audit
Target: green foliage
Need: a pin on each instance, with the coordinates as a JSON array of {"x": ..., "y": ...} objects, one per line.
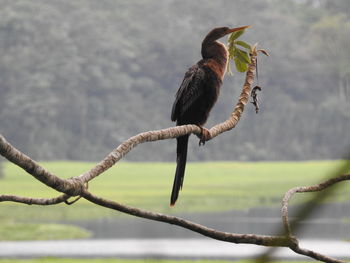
[
  {"x": 243, "y": 44},
  {"x": 240, "y": 65},
  {"x": 240, "y": 57},
  {"x": 235, "y": 35}
]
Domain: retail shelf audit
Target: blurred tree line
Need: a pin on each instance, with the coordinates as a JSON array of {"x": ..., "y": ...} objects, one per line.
[{"x": 79, "y": 77}]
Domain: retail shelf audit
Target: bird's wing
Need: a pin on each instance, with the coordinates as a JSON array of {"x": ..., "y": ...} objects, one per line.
[{"x": 189, "y": 91}]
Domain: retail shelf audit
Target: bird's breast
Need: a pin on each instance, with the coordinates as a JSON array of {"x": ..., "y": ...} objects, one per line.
[{"x": 218, "y": 68}]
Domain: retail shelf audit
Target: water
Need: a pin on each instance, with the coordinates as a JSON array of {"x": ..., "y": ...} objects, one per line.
[
  {"x": 160, "y": 248},
  {"x": 328, "y": 222},
  {"x": 132, "y": 237}
]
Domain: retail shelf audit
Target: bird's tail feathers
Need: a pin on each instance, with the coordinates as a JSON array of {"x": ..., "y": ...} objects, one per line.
[{"x": 181, "y": 152}]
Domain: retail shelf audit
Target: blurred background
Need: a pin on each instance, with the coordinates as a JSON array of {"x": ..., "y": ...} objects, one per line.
[{"x": 77, "y": 78}]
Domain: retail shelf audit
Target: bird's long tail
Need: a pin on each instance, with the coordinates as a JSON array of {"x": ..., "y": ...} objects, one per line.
[{"x": 181, "y": 152}]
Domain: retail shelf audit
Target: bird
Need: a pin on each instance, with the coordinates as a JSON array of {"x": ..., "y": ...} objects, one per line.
[{"x": 197, "y": 95}]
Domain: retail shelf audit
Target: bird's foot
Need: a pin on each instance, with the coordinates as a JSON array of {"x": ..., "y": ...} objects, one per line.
[{"x": 204, "y": 136}]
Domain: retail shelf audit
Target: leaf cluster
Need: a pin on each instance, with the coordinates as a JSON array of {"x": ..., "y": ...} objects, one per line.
[{"x": 238, "y": 52}]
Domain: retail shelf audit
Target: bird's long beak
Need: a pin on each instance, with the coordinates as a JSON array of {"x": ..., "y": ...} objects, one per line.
[{"x": 237, "y": 29}]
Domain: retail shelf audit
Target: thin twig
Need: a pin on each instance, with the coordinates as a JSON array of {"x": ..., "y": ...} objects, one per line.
[
  {"x": 34, "y": 201},
  {"x": 315, "y": 255},
  {"x": 305, "y": 212},
  {"x": 303, "y": 189}
]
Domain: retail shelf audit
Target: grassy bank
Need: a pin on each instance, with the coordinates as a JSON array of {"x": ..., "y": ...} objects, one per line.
[
  {"x": 32, "y": 231},
  {"x": 216, "y": 186},
  {"x": 208, "y": 187}
]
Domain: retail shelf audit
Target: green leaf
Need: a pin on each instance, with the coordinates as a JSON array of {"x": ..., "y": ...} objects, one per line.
[
  {"x": 231, "y": 51},
  {"x": 240, "y": 66},
  {"x": 235, "y": 35},
  {"x": 242, "y": 55},
  {"x": 243, "y": 44},
  {"x": 229, "y": 70}
]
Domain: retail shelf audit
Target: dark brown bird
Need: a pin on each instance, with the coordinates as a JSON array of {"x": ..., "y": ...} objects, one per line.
[{"x": 197, "y": 95}]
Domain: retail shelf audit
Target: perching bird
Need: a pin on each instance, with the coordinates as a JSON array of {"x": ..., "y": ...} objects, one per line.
[{"x": 197, "y": 95}]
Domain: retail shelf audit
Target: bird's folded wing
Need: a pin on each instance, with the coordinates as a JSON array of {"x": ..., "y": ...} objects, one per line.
[{"x": 189, "y": 91}]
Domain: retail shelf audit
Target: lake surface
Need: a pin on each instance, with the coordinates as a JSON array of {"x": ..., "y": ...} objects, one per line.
[
  {"x": 160, "y": 249},
  {"x": 131, "y": 237},
  {"x": 330, "y": 221}
]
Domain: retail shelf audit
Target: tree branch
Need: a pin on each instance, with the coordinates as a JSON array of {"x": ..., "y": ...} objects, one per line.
[
  {"x": 280, "y": 241},
  {"x": 77, "y": 185},
  {"x": 315, "y": 255},
  {"x": 34, "y": 201},
  {"x": 303, "y": 189},
  {"x": 70, "y": 186}
]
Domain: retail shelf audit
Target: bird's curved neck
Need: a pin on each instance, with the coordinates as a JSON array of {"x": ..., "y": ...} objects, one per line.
[{"x": 217, "y": 51}]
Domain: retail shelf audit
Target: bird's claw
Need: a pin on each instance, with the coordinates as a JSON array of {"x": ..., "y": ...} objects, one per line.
[{"x": 204, "y": 136}]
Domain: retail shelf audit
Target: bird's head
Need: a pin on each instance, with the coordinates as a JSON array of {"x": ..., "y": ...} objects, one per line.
[{"x": 220, "y": 32}]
